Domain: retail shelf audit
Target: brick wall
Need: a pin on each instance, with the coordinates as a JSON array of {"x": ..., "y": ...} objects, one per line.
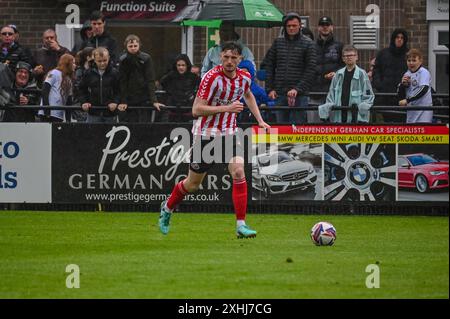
[
  {"x": 408, "y": 14},
  {"x": 32, "y": 18},
  {"x": 416, "y": 24}
]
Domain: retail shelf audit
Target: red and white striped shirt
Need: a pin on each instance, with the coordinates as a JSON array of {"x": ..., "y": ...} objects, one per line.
[{"x": 218, "y": 89}]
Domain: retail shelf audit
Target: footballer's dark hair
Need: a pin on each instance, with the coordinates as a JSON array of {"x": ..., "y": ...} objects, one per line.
[{"x": 232, "y": 46}]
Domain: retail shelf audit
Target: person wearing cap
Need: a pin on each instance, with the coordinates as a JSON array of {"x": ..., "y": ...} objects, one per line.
[
  {"x": 290, "y": 66},
  {"x": 11, "y": 52},
  {"x": 226, "y": 34},
  {"x": 16, "y": 40},
  {"x": 329, "y": 60},
  {"x": 47, "y": 57},
  {"x": 23, "y": 81},
  {"x": 329, "y": 55}
]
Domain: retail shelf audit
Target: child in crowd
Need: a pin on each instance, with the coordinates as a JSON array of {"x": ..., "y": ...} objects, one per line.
[
  {"x": 415, "y": 88},
  {"x": 57, "y": 89},
  {"x": 349, "y": 86}
]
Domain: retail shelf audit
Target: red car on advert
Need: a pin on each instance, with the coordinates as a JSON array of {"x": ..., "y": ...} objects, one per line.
[{"x": 422, "y": 172}]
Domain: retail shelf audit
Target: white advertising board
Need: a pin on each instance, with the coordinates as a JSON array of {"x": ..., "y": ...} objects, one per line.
[{"x": 25, "y": 162}]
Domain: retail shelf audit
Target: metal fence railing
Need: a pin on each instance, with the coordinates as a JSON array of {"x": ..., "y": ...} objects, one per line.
[
  {"x": 441, "y": 114},
  {"x": 379, "y": 113}
]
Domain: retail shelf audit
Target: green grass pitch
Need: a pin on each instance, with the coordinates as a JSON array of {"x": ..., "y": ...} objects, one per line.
[{"x": 123, "y": 255}]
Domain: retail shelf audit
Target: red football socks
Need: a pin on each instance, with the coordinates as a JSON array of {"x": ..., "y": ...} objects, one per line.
[
  {"x": 240, "y": 198},
  {"x": 177, "y": 196}
]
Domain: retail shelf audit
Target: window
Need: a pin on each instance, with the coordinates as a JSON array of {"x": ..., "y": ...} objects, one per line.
[
  {"x": 443, "y": 38},
  {"x": 438, "y": 55},
  {"x": 361, "y": 35},
  {"x": 402, "y": 162}
]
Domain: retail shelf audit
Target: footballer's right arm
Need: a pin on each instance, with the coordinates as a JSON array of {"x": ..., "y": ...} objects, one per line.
[{"x": 201, "y": 108}]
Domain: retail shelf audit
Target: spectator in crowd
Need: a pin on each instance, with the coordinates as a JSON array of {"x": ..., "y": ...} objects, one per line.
[
  {"x": 11, "y": 51},
  {"x": 415, "y": 89},
  {"x": 6, "y": 79},
  {"x": 290, "y": 66},
  {"x": 101, "y": 37},
  {"x": 307, "y": 32},
  {"x": 371, "y": 66},
  {"x": 85, "y": 34},
  {"x": 349, "y": 86},
  {"x": 84, "y": 61},
  {"x": 57, "y": 89},
  {"x": 390, "y": 65},
  {"x": 137, "y": 82},
  {"x": 6, "y": 76},
  {"x": 196, "y": 70},
  {"x": 181, "y": 86},
  {"x": 226, "y": 33},
  {"x": 16, "y": 40},
  {"x": 329, "y": 60},
  {"x": 329, "y": 55},
  {"x": 100, "y": 87},
  {"x": 23, "y": 80},
  {"x": 260, "y": 94},
  {"x": 47, "y": 57}
]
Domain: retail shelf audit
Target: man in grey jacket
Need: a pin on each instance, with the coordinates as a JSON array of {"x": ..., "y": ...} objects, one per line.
[{"x": 290, "y": 67}]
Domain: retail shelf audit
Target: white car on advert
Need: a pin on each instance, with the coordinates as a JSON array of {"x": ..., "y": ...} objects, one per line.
[{"x": 280, "y": 172}]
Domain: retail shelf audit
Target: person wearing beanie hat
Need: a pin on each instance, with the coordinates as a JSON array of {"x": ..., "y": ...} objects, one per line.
[
  {"x": 23, "y": 81},
  {"x": 290, "y": 66}
]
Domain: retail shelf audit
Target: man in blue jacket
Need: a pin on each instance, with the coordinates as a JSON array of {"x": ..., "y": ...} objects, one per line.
[{"x": 259, "y": 93}]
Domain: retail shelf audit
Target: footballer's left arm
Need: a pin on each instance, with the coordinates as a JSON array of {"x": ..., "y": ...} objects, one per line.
[{"x": 251, "y": 103}]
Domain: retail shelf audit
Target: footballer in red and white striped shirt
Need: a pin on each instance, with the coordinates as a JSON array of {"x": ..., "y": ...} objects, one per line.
[
  {"x": 216, "y": 106},
  {"x": 218, "y": 98},
  {"x": 218, "y": 89}
]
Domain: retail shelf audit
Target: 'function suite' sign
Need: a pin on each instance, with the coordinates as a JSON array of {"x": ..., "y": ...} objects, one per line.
[{"x": 140, "y": 9}]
